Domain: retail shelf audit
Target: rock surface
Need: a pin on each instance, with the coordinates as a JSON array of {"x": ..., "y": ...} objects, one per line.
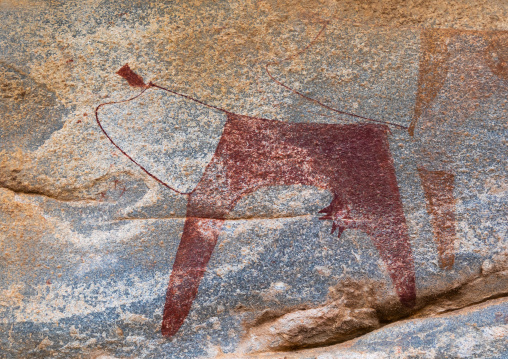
[
  {"x": 334, "y": 168},
  {"x": 479, "y": 331}
]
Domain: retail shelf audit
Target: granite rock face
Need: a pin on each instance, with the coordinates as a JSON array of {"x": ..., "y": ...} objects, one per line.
[
  {"x": 319, "y": 179},
  {"x": 480, "y": 331}
]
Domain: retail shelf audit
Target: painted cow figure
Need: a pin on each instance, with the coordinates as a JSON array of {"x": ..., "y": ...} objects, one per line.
[
  {"x": 459, "y": 69},
  {"x": 351, "y": 161}
]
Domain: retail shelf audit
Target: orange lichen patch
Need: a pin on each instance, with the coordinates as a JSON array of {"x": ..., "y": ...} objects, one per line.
[
  {"x": 220, "y": 51},
  {"x": 476, "y": 14},
  {"x": 22, "y": 227},
  {"x": 21, "y": 4},
  {"x": 56, "y": 73},
  {"x": 59, "y": 172},
  {"x": 496, "y": 54},
  {"x": 17, "y": 172},
  {"x": 215, "y": 51},
  {"x": 21, "y": 101},
  {"x": 12, "y": 88},
  {"x": 220, "y": 47},
  {"x": 11, "y": 296},
  {"x": 25, "y": 217}
]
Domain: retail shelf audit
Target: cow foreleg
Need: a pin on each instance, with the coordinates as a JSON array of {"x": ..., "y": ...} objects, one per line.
[{"x": 196, "y": 246}]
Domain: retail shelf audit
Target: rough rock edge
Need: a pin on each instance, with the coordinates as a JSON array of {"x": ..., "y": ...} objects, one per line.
[
  {"x": 337, "y": 348},
  {"x": 89, "y": 191},
  {"x": 346, "y": 318}
]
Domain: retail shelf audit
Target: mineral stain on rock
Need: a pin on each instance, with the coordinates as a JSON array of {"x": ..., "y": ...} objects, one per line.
[{"x": 30, "y": 112}]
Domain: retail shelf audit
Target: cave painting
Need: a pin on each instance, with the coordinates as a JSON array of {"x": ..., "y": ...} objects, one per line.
[
  {"x": 457, "y": 70},
  {"x": 351, "y": 161}
]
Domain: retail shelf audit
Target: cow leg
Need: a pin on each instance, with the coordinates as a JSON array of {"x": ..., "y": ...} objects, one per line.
[
  {"x": 207, "y": 208},
  {"x": 388, "y": 231},
  {"x": 196, "y": 246},
  {"x": 438, "y": 189},
  {"x": 391, "y": 238},
  {"x": 376, "y": 208}
]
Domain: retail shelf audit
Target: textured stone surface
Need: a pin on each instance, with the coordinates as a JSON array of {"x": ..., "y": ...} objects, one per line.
[
  {"x": 480, "y": 331},
  {"x": 417, "y": 211}
]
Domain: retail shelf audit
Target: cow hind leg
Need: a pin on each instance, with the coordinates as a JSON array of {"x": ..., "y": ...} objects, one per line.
[
  {"x": 438, "y": 189},
  {"x": 391, "y": 238}
]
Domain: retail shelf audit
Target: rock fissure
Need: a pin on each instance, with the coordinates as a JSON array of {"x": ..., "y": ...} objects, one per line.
[
  {"x": 315, "y": 351},
  {"x": 227, "y": 219},
  {"x": 349, "y": 317},
  {"x": 34, "y": 192}
]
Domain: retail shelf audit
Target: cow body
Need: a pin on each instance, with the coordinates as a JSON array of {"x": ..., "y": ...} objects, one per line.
[{"x": 351, "y": 161}]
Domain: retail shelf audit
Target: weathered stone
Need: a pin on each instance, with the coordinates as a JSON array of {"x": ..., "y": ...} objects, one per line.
[
  {"x": 478, "y": 331},
  {"x": 300, "y": 173},
  {"x": 311, "y": 327}
]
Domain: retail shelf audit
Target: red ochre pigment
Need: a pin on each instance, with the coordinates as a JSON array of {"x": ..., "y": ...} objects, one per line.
[
  {"x": 351, "y": 161},
  {"x": 132, "y": 78}
]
